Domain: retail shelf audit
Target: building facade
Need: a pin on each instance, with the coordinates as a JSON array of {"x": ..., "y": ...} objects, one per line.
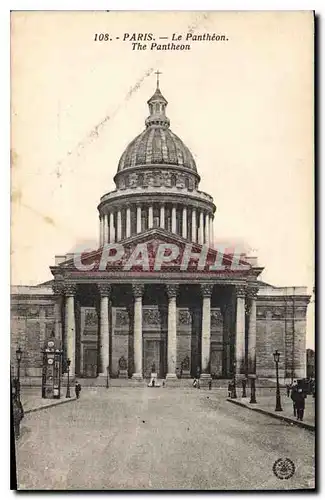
[{"x": 158, "y": 291}]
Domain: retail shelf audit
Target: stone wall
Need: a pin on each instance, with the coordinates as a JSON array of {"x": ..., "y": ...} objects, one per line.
[
  {"x": 283, "y": 327},
  {"x": 32, "y": 321}
]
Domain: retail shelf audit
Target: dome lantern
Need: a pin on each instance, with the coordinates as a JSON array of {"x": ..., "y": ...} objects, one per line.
[{"x": 157, "y": 106}]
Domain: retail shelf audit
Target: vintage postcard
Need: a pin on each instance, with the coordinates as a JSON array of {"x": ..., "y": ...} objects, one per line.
[{"x": 162, "y": 298}]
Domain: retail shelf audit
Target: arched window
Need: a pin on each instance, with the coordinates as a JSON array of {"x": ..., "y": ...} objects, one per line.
[{"x": 173, "y": 180}]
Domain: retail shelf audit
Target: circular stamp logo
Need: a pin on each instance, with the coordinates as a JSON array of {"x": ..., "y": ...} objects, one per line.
[{"x": 284, "y": 468}]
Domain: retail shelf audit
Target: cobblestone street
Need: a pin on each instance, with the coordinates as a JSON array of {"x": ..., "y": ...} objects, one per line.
[{"x": 163, "y": 438}]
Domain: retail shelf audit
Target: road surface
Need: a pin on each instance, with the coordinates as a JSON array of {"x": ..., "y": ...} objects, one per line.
[{"x": 159, "y": 438}]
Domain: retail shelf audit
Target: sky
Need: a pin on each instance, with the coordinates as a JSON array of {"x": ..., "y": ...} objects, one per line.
[{"x": 244, "y": 107}]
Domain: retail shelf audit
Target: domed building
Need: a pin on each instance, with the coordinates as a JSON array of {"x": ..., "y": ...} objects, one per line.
[
  {"x": 157, "y": 186},
  {"x": 158, "y": 295}
]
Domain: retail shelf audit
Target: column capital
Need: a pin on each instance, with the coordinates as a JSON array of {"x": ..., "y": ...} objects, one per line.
[
  {"x": 69, "y": 289},
  {"x": 104, "y": 289},
  {"x": 251, "y": 292},
  {"x": 138, "y": 290},
  {"x": 240, "y": 291},
  {"x": 171, "y": 291},
  {"x": 207, "y": 289},
  {"x": 58, "y": 288}
]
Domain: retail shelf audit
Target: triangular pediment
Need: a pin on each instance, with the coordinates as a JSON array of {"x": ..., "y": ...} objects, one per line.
[{"x": 158, "y": 250}]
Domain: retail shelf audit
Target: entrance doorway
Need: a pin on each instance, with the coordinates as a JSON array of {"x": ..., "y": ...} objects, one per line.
[
  {"x": 90, "y": 362},
  {"x": 153, "y": 353}
]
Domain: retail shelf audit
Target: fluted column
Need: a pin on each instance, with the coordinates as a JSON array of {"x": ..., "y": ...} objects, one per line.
[
  {"x": 119, "y": 226},
  {"x": 173, "y": 219},
  {"x": 70, "y": 326},
  {"x": 206, "y": 291},
  {"x": 128, "y": 222},
  {"x": 240, "y": 331},
  {"x": 171, "y": 339},
  {"x": 139, "y": 219},
  {"x": 194, "y": 228},
  {"x": 201, "y": 229},
  {"x": 58, "y": 295},
  {"x": 207, "y": 230},
  {"x": 184, "y": 223},
  {"x": 111, "y": 228},
  {"x": 162, "y": 216},
  {"x": 252, "y": 295},
  {"x": 104, "y": 290},
  {"x": 150, "y": 217},
  {"x": 137, "y": 331}
]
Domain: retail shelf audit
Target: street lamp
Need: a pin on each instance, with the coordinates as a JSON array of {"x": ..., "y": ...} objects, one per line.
[
  {"x": 244, "y": 382},
  {"x": 68, "y": 395},
  {"x": 253, "y": 390},
  {"x": 234, "y": 394},
  {"x": 276, "y": 356},
  {"x": 18, "y": 356},
  {"x": 107, "y": 376}
]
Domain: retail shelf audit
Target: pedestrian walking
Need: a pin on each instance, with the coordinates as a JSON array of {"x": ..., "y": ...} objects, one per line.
[
  {"x": 230, "y": 387},
  {"x": 77, "y": 389},
  {"x": 293, "y": 397},
  {"x": 300, "y": 404},
  {"x": 288, "y": 389}
]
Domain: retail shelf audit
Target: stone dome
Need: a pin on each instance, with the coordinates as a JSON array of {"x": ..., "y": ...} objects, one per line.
[{"x": 157, "y": 145}]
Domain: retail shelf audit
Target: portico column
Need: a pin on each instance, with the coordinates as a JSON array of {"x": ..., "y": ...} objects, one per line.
[
  {"x": 70, "y": 326},
  {"x": 173, "y": 219},
  {"x": 111, "y": 228},
  {"x": 139, "y": 219},
  {"x": 150, "y": 217},
  {"x": 162, "y": 216},
  {"x": 184, "y": 223},
  {"x": 252, "y": 295},
  {"x": 58, "y": 295},
  {"x": 171, "y": 339},
  {"x": 206, "y": 291},
  {"x": 119, "y": 226},
  {"x": 104, "y": 290},
  {"x": 128, "y": 222},
  {"x": 137, "y": 331},
  {"x": 194, "y": 230},
  {"x": 201, "y": 228},
  {"x": 240, "y": 331},
  {"x": 207, "y": 229}
]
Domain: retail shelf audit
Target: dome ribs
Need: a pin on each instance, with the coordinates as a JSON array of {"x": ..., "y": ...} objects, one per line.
[
  {"x": 149, "y": 145},
  {"x": 163, "y": 146},
  {"x": 171, "y": 148},
  {"x": 157, "y": 156}
]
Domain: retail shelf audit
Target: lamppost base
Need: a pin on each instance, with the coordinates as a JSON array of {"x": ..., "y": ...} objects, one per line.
[{"x": 278, "y": 409}]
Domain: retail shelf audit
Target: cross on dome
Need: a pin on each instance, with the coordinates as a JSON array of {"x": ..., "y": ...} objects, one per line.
[{"x": 158, "y": 73}]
